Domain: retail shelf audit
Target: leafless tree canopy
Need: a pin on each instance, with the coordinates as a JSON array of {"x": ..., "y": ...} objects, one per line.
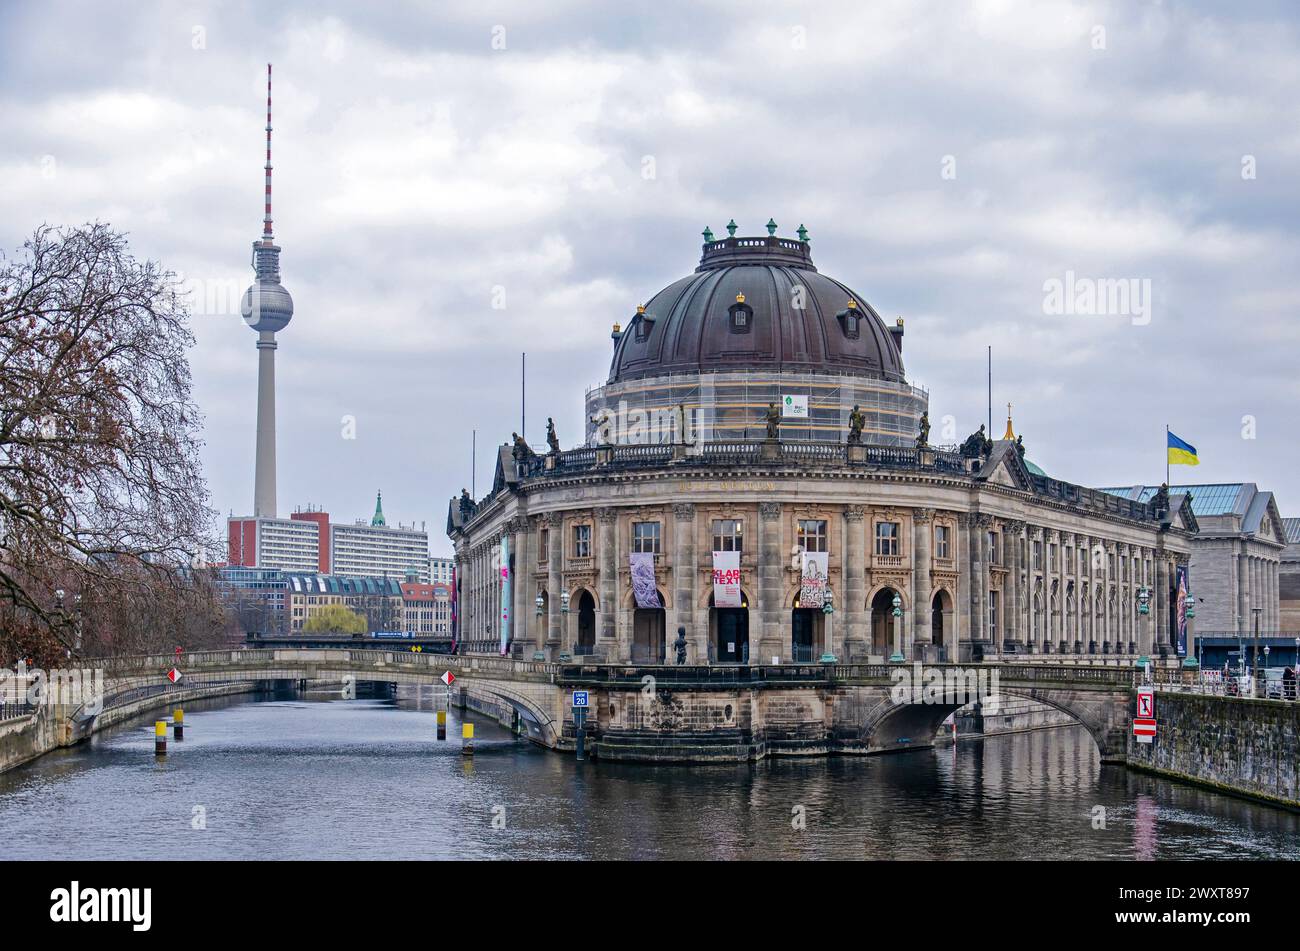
[{"x": 102, "y": 495}]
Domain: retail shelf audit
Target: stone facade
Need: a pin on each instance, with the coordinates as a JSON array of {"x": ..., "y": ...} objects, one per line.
[{"x": 986, "y": 560}]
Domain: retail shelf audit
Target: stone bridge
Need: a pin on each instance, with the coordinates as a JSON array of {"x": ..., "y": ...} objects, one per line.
[{"x": 690, "y": 714}]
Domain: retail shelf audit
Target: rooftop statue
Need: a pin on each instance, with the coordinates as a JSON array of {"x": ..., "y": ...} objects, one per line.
[
  {"x": 923, "y": 437},
  {"x": 521, "y": 451},
  {"x": 466, "y": 505},
  {"x": 857, "y": 419},
  {"x": 977, "y": 444},
  {"x": 773, "y": 419},
  {"x": 552, "y": 440}
]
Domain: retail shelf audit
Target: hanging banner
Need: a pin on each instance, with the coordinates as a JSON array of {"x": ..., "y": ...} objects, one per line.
[
  {"x": 812, "y": 586},
  {"x": 1180, "y": 615},
  {"x": 505, "y": 595},
  {"x": 454, "y": 609},
  {"x": 726, "y": 579},
  {"x": 794, "y": 407},
  {"x": 643, "y": 580}
]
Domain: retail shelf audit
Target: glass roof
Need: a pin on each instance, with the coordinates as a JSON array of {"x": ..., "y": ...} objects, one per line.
[{"x": 1206, "y": 499}]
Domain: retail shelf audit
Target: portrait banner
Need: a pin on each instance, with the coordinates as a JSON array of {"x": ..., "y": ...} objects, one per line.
[
  {"x": 726, "y": 579},
  {"x": 812, "y": 584},
  {"x": 643, "y": 580}
]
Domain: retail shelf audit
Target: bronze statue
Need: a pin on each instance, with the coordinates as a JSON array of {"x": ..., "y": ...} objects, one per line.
[
  {"x": 977, "y": 444},
  {"x": 679, "y": 646},
  {"x": 773, "y": 419},
  {"x": 1160, "y": 501},
  {"x": 923, "y": 438},
  {"x": 1020, "y": 446},
  {"x": 857, "y": 419},
  {"x": 552, "y": 440},
  {"x": 521, "y": 451},
  {"x": 466, "y": 505}
]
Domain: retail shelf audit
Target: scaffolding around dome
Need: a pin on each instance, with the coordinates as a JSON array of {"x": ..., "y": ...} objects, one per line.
[{"x": 733, "y": 405}]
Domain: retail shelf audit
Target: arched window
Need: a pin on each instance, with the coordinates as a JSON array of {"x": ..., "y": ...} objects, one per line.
[{"x": 740, "y": 316}]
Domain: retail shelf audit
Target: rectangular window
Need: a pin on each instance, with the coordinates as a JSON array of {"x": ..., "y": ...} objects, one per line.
[
  {"x": 1038, "y": 555},
  {"x": 728, "y": 534},
  {"x": 1051, "y": 557},
  {"x": 645, "y": 537},
  {"x": 992, "y": 548},
  {"x": 543, "y": 545},
  {"x": 582, "y": 541},
  {"x": 812, "y": 534},
  {"x": 942, "y": 541},
  {"x": 1083, "y": 561},
  {"x": 993, "y": 613},
  {"x": 887, "y": 534}
]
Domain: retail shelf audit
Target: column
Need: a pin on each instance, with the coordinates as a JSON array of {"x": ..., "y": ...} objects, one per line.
[
  {"x": 697, "y": 651},
  {"x": 1243, "y": 592},
  {"x": 554, "y": 584},
  {"x": 1011, "y": 532},
  {"x": 852, "y": 606},
  {"x": 606, "y": 643},
  {"x": 921, "y": 535},
  {"x": 1161, "y": 600},
  {"x": 520, "y": 607},
  {"x": 771, "y": 561},
  {"x": 978, "y": 583},
  {"x": 962, "y": 630}
]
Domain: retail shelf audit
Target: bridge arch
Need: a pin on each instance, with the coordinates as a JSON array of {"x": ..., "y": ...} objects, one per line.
[{"x": 891, "y": 725}]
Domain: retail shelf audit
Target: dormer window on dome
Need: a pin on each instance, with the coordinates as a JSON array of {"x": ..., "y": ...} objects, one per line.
[
  {"x": 850, "y": 320},
  {"x": 643, "y": 323},
  {"x": 741, "y": 315}
]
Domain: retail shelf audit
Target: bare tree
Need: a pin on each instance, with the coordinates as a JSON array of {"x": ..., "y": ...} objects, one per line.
[{"x": 101, "y": 488}]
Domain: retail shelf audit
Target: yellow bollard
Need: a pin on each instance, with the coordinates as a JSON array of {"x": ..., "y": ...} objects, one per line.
[
  {"x": 467, "y": 739},
  {"x": 160, "y": 738},
  {"x": 442, "y": 724},
  {"x": 178, "y": 723}
]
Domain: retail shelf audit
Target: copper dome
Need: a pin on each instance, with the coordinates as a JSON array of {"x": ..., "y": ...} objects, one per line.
[{"x": 738, "y": 312}]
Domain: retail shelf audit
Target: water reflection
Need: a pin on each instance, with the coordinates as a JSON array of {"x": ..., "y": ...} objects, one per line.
[{"x": 310, "y": 777}]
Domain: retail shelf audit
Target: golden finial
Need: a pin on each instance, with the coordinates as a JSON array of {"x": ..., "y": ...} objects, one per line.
[
  {"x": 1010, "y": 433},
  {"x": 617, "y": 328},
  {"x": 640, "y": 308},
  {"x": 898, "y": 322},
  {"x": 740, "y": 298},
  {"x": 853, "y": 305}
]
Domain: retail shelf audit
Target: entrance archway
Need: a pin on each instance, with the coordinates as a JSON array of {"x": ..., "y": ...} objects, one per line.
[
  {"x": 586, "y": 624},
  {"x": 648, "y": 634},
  {"x": 940, "y": 619},
  {"x": 882, "y": 621},
  {"x": 729, "y": 632},
  {"x": 807, "y": 633}
]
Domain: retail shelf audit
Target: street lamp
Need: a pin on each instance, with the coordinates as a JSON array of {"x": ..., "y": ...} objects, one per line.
[
  {"x": 540, "y": 602},
  {"x": 1189, "y": 612},
  {"x": 897, "y": 656},
  {"x": 564, "y": 602},
  {"x": 828, "y": 609},
  {"x": 1255, "y": 652}
]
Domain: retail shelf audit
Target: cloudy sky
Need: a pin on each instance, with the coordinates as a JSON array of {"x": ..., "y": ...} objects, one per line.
[{"x": 949, "y": 160}]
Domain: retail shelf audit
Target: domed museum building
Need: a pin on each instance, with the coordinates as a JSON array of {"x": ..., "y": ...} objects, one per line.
[{"x": 757, "y": 471}]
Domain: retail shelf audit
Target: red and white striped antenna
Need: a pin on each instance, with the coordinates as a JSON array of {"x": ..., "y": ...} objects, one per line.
[{"x": 266, "y": 220}]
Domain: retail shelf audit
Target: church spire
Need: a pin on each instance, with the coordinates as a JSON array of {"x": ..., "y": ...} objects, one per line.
[
  {"x": 378, "y": 520},
  {"x": 1010, "y": 433}
]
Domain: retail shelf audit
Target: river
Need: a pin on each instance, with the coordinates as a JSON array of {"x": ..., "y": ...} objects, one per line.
[{"x": 367, "y": 779}]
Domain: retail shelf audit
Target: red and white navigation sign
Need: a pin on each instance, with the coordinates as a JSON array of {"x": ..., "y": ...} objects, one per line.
[
  {"x": 174, "y": 675},
  {"x": 448, "y": 677},
  {"x": 1144, "y": 730},
  {"x": 1146, "y": 703}
]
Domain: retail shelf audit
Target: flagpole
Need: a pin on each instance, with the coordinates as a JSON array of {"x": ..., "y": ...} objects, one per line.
[{"x": 1166, "y": 453}]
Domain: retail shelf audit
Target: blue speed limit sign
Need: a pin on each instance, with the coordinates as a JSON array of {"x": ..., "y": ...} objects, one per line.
[{"x": 580, "y": 698}]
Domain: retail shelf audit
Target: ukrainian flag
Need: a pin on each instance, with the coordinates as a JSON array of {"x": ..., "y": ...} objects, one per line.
[{"x": 1181, "y": 453}]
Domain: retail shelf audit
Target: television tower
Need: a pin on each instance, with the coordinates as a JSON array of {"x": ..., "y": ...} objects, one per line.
[{"x": 267, "y": 308}]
